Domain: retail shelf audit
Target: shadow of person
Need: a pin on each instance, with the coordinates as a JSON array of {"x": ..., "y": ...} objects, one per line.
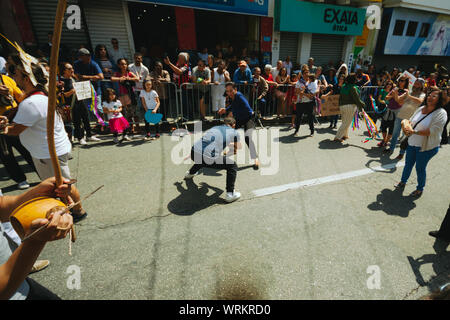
[
  {"x": 329, "y": 144},
  {"x": 289, "y": 138},
  {"x": 211, "y": 172},
  {"x": 393, "y": 202},
  {"x": 326, "y": 130},
  {"x": 440, "y": 263},
  {"x": 193, "y": 198}
]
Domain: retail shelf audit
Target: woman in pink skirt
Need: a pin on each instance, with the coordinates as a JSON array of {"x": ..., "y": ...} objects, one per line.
[{"x": 117, "y": 122}]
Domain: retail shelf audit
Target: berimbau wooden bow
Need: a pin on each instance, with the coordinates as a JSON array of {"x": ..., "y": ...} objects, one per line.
[{"x": 56, "y": 41}]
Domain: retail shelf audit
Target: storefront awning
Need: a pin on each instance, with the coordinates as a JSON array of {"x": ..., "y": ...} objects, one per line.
[{"x": 253, "y": 7}]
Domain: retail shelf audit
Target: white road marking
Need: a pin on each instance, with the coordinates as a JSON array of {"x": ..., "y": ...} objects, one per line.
[{"x": 314, "y": 182}]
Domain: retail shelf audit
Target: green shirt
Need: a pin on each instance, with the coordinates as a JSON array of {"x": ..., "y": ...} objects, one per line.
[{"x": 350, "y": 95}]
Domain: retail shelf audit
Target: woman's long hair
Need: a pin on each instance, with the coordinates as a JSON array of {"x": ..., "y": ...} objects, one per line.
[{"x": 97, "y": 51}]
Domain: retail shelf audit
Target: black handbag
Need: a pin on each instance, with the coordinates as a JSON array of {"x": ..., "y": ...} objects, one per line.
[{"x": 404, "y": 143}]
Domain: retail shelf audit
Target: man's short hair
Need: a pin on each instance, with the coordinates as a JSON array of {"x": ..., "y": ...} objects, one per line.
[
  {"x": 231, "y": 84},
  {"x": 138, "y": 54},
  {"x": 201, "y": 60},
  {"x": 229, "y": 121}
]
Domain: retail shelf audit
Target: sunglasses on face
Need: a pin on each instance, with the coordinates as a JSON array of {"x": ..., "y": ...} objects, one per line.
[{"x": 401, "y": 80}]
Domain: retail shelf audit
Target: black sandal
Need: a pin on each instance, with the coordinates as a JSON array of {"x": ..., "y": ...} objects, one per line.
[
  {"x": 417, "y": 194},
  {"x": 400, "y": 185}
]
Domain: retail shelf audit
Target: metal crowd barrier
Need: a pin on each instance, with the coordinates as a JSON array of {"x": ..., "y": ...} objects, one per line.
[
  {"x": 199, "y": 101},
  {"x": 168, "y": 96},
  {"x": 192, "y": 102},
  {"x": 368, "y": 93}
]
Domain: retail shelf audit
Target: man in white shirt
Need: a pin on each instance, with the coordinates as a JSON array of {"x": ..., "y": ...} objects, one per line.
[
  {"x": 115, "y": 53},
  {"x": 276, "y": 70},
  {"x": 142, "y": 72},
  {"x": 30, "y": 124}
]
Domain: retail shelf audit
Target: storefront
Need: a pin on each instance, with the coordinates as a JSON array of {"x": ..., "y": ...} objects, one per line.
[
  {"x": 163, "y": 27},
  {"x": 413, "y": 38},
  {"x": 323, "y": 31},
  {"x": 168, "y": 26}
]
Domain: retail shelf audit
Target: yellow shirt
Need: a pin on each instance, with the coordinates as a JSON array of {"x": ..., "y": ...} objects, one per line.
[{"x": 14, "y": 91}]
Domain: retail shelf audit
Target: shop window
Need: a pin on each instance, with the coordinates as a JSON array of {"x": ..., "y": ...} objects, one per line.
[
  {"x": 412, "y": 27},
  {"x": 424, "y": 30},
  {"x": 398, "y": 28}
]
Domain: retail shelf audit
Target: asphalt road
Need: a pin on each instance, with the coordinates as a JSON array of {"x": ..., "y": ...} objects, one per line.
[{"x": 151, "y": 235}]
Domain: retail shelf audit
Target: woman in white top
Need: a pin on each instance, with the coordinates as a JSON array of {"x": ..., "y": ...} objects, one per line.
[{"x": 424, "y": 130}]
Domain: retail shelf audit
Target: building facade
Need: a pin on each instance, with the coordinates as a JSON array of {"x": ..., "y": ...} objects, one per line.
[{"x": 414, "y": 33}]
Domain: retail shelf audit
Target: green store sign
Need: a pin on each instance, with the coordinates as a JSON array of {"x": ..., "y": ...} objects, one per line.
[{"x": 301, "y": 16}]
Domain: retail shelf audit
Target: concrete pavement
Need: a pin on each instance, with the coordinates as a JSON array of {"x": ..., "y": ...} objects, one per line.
[{"x": 151, "y": 235}]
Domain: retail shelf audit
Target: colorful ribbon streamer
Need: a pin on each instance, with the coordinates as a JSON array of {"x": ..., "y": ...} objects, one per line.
[
  {"x": 374, "y": 105},
  {"x": 94, "y": 106},
  {"x": 371, "y": 127}
]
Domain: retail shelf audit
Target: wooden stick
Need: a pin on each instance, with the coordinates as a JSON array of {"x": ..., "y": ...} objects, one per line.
[{"x": 56, "y": 41}]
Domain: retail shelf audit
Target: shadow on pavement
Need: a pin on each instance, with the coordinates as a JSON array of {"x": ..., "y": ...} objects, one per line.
[
  {"x": 14, "y": 187},
  {"x": 290, "y": 138},
  {"x": 440, "y": 263},
  {"x": 332, "y": 145},
  {"x": 393, "y": 202},
  {"x": 193, "y": 198}
]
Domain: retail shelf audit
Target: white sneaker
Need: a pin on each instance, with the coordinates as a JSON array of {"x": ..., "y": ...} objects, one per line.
[
  {"x": 189, "y": 176},
  {"x": 93, "y": 138},
  {"x": 83, "y": 142},
  {"x": 127, "y": 138},
  {"x": 232, "y": 196},
  {"x": 23, "y": 185},
  {"x": 116, "y": 140}
]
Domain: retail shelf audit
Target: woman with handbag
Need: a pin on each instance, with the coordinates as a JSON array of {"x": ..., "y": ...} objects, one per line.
[
  {"x": 412, "y": 102},
  {"x": 423, "y": 133}
]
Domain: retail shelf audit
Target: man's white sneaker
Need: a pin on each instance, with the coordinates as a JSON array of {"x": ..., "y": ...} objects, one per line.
[
  {"x": 93, "y": 138},
  {"x": 23, "y": 185},
  {"x": 127, "y": 138},
  {"x": 83, "y": 142},
  {"x": 232, "y": 196},
  {"x": 188, "y": 176}
]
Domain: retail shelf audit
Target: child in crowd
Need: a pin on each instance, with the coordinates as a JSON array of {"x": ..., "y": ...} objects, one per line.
[
  {"x": 388, "y": 117},
  {"x": 150, "y": 101},
  {"x": 117, "y": 122}
]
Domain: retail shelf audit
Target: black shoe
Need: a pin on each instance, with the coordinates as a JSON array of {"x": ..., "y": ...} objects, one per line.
[
  {"x": 78, "y": 217},
  {"x": 439, "y": 236}
]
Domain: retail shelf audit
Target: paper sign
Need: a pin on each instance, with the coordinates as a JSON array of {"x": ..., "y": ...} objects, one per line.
[
  {"x": 411, "y": 78},
  {"x": 330, "y": 106},
  {"x": 83, "y": 90}
]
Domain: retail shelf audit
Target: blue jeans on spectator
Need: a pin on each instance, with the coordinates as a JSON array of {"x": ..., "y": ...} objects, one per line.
[
  {"x": 420, "y": 159},
  {"x": 396, "y": 133}
]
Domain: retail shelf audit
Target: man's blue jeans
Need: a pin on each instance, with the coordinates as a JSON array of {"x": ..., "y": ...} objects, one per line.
[
  {"x": 420, "y": 159},
  {"x": 396, "y": 134}
]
